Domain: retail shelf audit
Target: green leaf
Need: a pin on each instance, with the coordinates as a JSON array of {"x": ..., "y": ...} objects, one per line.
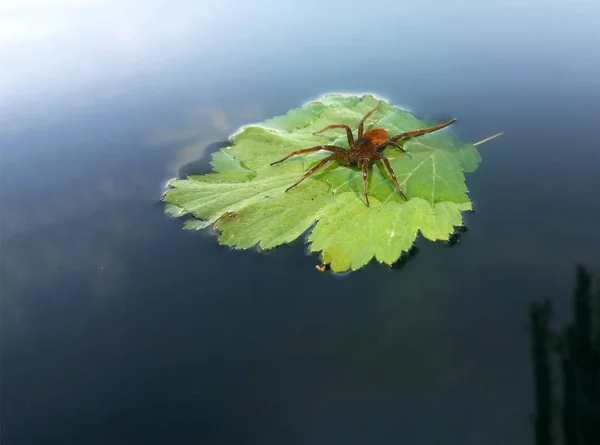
[{"x": 246, "y": 200}]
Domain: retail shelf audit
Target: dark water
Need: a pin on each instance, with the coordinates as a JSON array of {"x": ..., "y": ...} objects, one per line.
[{"x": 120, "y": 327}]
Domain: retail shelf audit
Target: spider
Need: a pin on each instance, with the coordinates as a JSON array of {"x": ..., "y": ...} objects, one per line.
[{"x": 366, "y": 149}]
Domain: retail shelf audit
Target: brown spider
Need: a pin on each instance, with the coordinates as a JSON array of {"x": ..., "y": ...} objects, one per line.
[{"x": 362, "y": 152}]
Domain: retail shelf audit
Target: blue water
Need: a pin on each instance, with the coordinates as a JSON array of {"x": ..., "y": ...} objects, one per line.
[{"x": 120, "y": 327}]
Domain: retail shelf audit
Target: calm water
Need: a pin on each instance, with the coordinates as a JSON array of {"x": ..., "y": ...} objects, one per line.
[{"x": 120, "y": 327}]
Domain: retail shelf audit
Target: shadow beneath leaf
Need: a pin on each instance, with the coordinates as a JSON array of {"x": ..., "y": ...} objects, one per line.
[
  {"x": 405, "y": 258},
  {"x": 457, "y": 236}
]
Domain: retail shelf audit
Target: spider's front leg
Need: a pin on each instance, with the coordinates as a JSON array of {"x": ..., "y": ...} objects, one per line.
[
  {"x": 333, "y": 157},
  {"x": 345, "y": 127},
  {"x": 333, "y": 148},
  {"x": 386, "y": 162},
  {"x": 365, "y": 175}
]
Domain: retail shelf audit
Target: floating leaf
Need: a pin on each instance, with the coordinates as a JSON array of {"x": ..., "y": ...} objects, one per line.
[{"x": 246, "y": 200}]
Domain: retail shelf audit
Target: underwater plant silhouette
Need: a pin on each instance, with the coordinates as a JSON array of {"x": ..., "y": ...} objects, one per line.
[{"x": 578, "y": 349}]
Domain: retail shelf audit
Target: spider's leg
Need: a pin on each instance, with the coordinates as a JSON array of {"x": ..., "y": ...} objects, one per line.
[
  {"x": 410, "y": 134},
  {"x": 393, "y": 144},
  {"x": 365, "y": 169},
  {"x": 391, "y": 172},
  {"x": 333, "y": 157},
  {"x": 361, "y": 124},
  {"x": 333, "y": 148},
  {"x": 346, "y": 127}
]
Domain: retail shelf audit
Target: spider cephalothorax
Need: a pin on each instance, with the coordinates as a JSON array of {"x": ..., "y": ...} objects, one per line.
[{"x": 366, "y": 149}]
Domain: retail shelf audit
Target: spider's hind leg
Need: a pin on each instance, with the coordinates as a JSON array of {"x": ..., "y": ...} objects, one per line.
[
  {"x": 392, "y": 144},
  {"x": 413, "y": 133},
  {"x": 361, "y": 124}
]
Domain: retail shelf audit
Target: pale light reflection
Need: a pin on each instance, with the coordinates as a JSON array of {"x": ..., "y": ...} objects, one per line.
[
  {"x": 54, "y": 46},
  {"x": 200, "y": 127}
]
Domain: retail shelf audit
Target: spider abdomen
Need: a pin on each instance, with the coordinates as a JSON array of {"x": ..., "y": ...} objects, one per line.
[{"x": 376, "y": 136}]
